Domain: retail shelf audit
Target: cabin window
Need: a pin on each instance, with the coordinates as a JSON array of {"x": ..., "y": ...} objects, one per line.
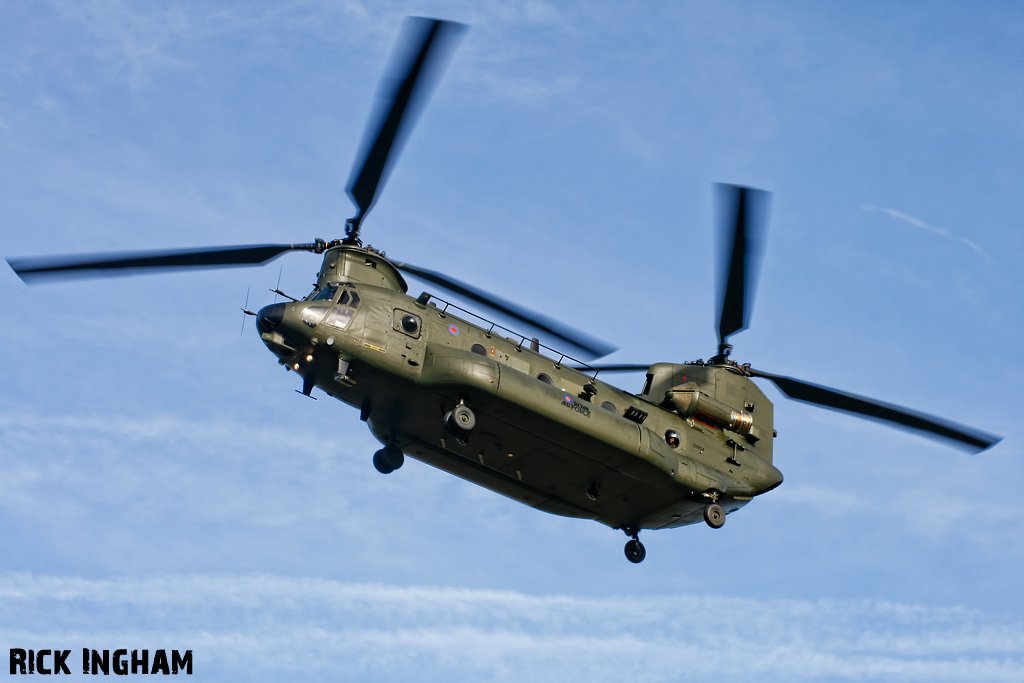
[
  {"x": 545, "y": 378},
  {"x": 406, "y": 322},
  {"x": 478, "y": 349},
  {"x": 609, "y": 406}
]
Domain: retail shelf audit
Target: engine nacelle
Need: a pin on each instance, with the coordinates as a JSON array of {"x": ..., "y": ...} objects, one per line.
[{"x": 689, "y": 401}]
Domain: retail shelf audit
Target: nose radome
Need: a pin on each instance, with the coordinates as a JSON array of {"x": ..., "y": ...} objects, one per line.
[{"x": 269, "y": 317}]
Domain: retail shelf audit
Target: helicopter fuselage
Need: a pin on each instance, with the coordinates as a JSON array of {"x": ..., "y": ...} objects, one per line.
[{"x": 546, "y": 434}]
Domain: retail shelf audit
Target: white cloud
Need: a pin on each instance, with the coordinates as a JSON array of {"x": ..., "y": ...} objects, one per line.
[{"x": 265, "y": 625}]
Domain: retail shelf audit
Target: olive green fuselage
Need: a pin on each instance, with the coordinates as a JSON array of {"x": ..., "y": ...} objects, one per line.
[{"x": 540, "y": 438}]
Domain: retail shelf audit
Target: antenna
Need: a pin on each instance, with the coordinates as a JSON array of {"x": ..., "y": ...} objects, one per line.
[{"x": 246, "y": 311}]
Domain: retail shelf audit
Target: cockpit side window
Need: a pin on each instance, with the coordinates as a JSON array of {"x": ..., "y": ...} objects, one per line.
[{"x": 326, "y": 293}]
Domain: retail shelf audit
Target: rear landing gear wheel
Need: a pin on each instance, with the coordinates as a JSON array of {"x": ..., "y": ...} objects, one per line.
[
  {"x": 635, "y": 551},
  {"x": 460, "y": 420},
  {"x": 388, "y": 459},
  {"x": 714, "y": 515}
]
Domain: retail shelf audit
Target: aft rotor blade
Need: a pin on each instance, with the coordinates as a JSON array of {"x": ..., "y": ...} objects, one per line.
[
  {"x": 742, "y": 230},
  {"x": 618, "y": 368},
  {"x": 412, "y": 62},
  {"x": 799, "y": 390},
  {"x": 595, "y": 347},
  {"x": 38, "y": 269}
]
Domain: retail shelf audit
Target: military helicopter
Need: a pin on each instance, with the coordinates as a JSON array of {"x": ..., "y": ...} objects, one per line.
[{"x": 450, "y": 388}]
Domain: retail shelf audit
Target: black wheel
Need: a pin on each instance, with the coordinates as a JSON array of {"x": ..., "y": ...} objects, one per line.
[
  {"x": 714, "y": 515},
  {"x": 635, "y": 551},
  {"x": 388, "y": 459},
  {"x": 380, "y": 464},
  {"x": 392, "y": 456},
  {"x": 460, "y": 420}
]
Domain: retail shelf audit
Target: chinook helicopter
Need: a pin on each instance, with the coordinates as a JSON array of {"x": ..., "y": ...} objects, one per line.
[{"x": 445, "y": 386}]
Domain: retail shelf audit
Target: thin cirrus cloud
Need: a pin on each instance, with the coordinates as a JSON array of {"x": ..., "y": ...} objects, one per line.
[
  {"x": 239, "y": 626},
  {"x": 244, "y": 626},
  {"x": 941, "y": 232}
]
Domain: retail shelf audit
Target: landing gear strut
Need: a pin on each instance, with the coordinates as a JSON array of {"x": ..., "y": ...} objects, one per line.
[
  {"x": 388, "y": 459},
  {"x": 635, "y": 551}
]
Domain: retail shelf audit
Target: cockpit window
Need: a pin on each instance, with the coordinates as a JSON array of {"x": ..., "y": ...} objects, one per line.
[
  {"x": 326, "y": 293},
  {"x": 312, "y": 315},
  {"x": 340, "y": 317},
  {"x": 348, "y": 293},
  {"x": 343, "y": 311}
]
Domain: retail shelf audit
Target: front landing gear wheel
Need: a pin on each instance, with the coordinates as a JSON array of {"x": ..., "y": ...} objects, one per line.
[
  {"x": 635, "y": 551},
  {"x": 388, "y": 459},
  {"x": 714, "y": 515}
]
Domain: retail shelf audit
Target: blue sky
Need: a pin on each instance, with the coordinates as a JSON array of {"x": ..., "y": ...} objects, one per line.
[{"x": 161, "y": 484}]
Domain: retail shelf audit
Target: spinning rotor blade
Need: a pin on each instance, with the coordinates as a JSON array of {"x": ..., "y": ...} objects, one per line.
[
  {"x": 618, "y": 368},
  {"x": 595, "y": 347},
  {"x": 799, "y": 390},
  {"x": 742, "y": 230},
  {"x": 425, "y": 39},
  {"x": 33, "y": 270}
]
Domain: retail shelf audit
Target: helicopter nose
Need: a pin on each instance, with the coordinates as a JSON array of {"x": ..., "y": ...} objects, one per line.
[{"x": 269, "y": 317}]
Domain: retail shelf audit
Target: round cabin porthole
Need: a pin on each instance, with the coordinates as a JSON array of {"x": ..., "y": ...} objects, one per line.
[
  {"x": 544, "y": 378},
  {"x": 478, "y": 349},
  {"x": 672, "y": 438},
  {"x": 609, "y": 406},
  {"x": 410, "y": 324}
]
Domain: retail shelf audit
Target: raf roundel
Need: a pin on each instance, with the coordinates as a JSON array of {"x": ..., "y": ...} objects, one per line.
[
  {"x": 568, "y": 398},
  {"x": 453, "y": 330}
]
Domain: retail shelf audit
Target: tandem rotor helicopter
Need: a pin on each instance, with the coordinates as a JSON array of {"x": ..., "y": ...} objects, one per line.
[{"x": 445, "y": 386}]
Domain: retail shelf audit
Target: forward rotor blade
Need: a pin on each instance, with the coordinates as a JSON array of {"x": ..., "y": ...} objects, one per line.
[
  {"x": 595, "y": 347},
  {"x": 742, "y": 229},
  {"x": 799, "y": 390},
  {"x": 38, "y": 269},
  {"x": 415, "y": 60}
]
